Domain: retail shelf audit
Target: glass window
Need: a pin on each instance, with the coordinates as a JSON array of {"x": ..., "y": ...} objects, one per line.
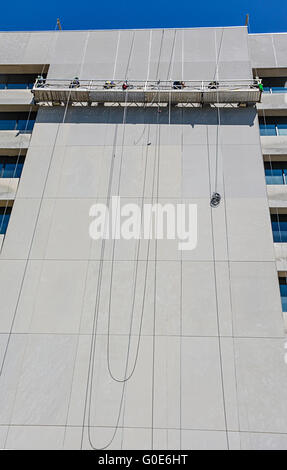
[
  {"x": 279, "y": 227},
  {"x": 5, "y": 213},
  {"x": 16, "y": 86},
  {"x": 25, "y": 125},
  {"x": 267, "y": 129},
  {"x": 282, "y": 129},
  {"x": 18, "y": 81},
  {"x": 275, "y": 172},
  {"x": 11, "y": 167},
  {"x": 18, "y": 170},
  {"x": 273, "y": 125},
  {"x": 279, "y": 89},
  {"x": 8, "y": 124},
  {"x": 283, "y": 292},
  {"x": 9, "y": 170},
  {"x": 17, "y": 121}
]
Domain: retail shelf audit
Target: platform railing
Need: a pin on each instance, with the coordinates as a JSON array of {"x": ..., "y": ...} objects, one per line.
[{"x": 150, "y": 85}]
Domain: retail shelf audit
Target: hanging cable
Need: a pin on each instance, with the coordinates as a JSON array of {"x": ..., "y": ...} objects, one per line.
[
  {"x": 31, "y": 243},
  {"x": 29, "y": 252},
  {"x": 157, "y": 160},
  {"x": 89, "y": 388},
  {"x": 126, "y": 378},
  {"x": 216, "y": 197},
  {"x": 181, "y": 268},
  {"x": 213, "y": 242}
]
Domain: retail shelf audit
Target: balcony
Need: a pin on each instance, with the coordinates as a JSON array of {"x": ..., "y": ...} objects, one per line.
[
  {"x": 274, "y": 145},
  {"x": 273, "y": 101},
  {"x": 14, "y": 140},
  {"x": 98, "y": 91},
  {"x": 281, "y": 256},
  {"x": 8, "y": 188},
  {"x": 277, "y": 195},
  {"x": 19, "y": 99}
]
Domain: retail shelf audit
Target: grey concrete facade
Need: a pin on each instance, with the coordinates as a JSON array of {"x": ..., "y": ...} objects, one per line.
[{"x": 210, "y": 371}]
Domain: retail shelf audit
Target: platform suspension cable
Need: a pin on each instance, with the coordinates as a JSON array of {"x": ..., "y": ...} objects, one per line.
[
  {"x": 89, "y": 388},
  {"x": 135, "y": 277},
  {"x": 89, "y": 385},
  {"x": 215, "y": 196},
  {"x": 157, "y": 161},
  {"x": 29, "y": 253},
  {"x": 126, "y": 378},
  {"x": 90, "y": 395},
  {"x": 92, "y": 355},
  {"x": 213, "y": 244},
  {"x": 181, "y": 274},
  {"x": 48, "y": 51},
  {"x": 91, "y": 369},
  {"x": 34, "y": 231}
]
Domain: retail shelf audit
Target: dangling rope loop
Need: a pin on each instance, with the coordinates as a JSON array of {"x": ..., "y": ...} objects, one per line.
[{"x": 215, "y": 200}]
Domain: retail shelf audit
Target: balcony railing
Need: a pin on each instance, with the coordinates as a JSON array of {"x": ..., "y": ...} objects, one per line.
[{"x": 137, "y": 91}]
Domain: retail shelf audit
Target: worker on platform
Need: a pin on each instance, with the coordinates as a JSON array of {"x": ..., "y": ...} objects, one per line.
[
  {"x": 178, "y": 85},
  {"x": 109, "y": 84},
  {"x": 213, "y": 85},
  {"x": 75, "y": 83},
  {"x": 40, "y": 81},
  {"x": 260, "y": 86}
]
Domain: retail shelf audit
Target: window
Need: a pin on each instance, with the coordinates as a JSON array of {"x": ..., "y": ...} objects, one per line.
[
  {"x": 282, "y": 129},
  {"x": 17, "y": 81},
  {"x": 267, "y": 129},
  {"x": 275, "y": 84},
  {"x": 275, "y": 172},
  {"x": 17, "y": 121},
  {"x": 283, "y": 292},
  {"x": 5, "y": 213},
  {"x": 273, "y": 125},
  {"x": 279, "y": 227},
  {"x": 11, "y": 167}
]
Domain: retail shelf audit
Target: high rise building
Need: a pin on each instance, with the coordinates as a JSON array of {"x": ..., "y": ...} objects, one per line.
[{"x": 133, "y": 343}]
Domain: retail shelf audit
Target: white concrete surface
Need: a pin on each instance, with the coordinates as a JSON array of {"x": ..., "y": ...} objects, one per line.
[{"x": 210, "y": 372}]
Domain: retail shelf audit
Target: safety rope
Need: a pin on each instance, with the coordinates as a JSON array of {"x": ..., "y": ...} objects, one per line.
[
  {"x": 33, "y": 235},
  {"x": 181, "y": 269},
  {"x": 126, "y": 378},
  {"x": 157, "y": 161},
  {"x": 217, "y": 54},
  {"x": 89, "y": 388},
  {"x": 29, "y": 254}
]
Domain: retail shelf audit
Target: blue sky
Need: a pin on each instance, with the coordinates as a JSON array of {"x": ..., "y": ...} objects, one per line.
[{"x": 265, "y": 16}]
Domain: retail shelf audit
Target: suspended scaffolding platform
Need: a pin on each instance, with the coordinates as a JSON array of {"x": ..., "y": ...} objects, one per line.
[{"x": 149, "y": 92}]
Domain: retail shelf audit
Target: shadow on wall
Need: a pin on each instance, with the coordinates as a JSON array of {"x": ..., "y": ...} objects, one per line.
[{"x": 134, "y": 115}]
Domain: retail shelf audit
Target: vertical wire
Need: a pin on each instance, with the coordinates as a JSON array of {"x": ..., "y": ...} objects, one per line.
[
  {"x": 157, "y": 162},
  {"x": 28, "y": 258},
  {"x": 181, "y": 268},
  {"x": 155, "y": 280},
  {"x": 95, "y": 321},
  {"x": 32, "y": 240},
  {"x": 213, "y": 243},
  {"x": 117, "y": 52}
]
